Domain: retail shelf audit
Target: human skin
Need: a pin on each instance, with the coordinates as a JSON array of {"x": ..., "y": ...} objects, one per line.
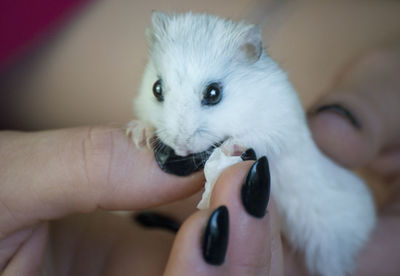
[
  {"x": 370, "y": 88},
  {"x": 378, "y": 259},
  {"x": 48, "y": 175},
  {"x": 100, "y": 168}
]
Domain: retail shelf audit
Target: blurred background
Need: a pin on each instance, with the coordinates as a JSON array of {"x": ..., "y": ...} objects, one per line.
[{"x": 79, "y": 62}]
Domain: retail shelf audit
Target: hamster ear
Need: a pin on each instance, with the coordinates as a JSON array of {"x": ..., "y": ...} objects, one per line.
[
  {"x": 251, "y": 48},
  {"x": 159, "y": 21}
]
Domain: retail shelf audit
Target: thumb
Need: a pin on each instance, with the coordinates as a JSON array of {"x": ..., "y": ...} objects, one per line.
[
  {"x": 46, "y": 175},
  {"x": 359, "y": 120},
  {"x": 231, "y": 238}
]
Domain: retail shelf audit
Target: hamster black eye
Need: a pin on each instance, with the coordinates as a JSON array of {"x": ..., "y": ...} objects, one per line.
[
  {"x": 158, "y": 91},
  {"x": 212, "y": 94}
]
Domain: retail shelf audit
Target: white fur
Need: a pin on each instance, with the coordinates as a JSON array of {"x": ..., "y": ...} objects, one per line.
[{"x": 327, "y": 212}]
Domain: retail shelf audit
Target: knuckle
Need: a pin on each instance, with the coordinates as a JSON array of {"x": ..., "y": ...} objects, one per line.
[
  {"x": 97, "y": 148},
  {"x": 244, "y": 268}
]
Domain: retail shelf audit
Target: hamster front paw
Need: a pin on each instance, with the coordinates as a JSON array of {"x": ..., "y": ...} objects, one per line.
[{"x": 141, "y": 133}]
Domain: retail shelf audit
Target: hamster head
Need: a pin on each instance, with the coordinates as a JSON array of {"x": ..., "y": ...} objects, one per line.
[{"x": 190, "y": 86}]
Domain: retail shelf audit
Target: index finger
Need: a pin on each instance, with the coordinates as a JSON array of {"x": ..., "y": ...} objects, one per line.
[{"x": 46, "y": 175}]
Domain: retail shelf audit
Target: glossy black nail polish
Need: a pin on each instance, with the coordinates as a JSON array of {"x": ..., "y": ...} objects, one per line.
[
  {"x": 155, "y": 220},
  {"x": 249, "y": 154},
  {"x": 339, "y": 109},
  {"x": 256, "y": 188},
  {"x": 216, "y": 235}
]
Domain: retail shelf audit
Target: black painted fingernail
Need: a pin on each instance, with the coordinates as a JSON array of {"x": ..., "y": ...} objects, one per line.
[
  {"x": 155, "y": 220},
  {"x": 256, "y": 188},
  {"x": 342, "y": 111},
  {"x": 249, "y": 154},
  {"x": 216, "y": 235}
]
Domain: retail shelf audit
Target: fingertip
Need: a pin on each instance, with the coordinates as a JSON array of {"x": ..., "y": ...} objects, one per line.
[
  {"x": 186, "y": 256},
  {"x": 233, "y": 174},
  {"x": 368, "y": 87},
  {"x": 254, "y": 240},
  {"x": 129, "y": 177},
  {"x": 348, "y": 143}
]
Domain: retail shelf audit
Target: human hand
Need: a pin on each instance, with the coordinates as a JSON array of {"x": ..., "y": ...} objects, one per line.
[
  {"x": 357, "y": 125},
  {"x": 334, "y": 130},
  {"x": 254, "y": 247},
  {"x": 48, "y": 175}
]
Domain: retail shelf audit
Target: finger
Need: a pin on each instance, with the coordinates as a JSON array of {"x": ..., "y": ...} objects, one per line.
[
  {"x": 380, "y": 255},
  {"x": 254, "y": 242},
  {"x": 27, "y": 260},
  {"x": 186, "y": 254},
  {"x": 254, "y": 246},
  {"x": 388, "y": 162},
  {"x": 53, "y": 173},
  {"x": 358, "y": 120}
]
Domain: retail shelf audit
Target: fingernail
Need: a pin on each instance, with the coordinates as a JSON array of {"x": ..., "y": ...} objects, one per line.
[
  {"x": 342, "y": 111},
  {"x": 256, "y": 188},
  {"x": 215, "y": 238},
  {"x": 155, "y": 220},
  {"x": 249, "y": 154}
]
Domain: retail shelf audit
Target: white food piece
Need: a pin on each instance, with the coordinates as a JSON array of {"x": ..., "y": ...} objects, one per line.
[{"x": 214, "y": 166}]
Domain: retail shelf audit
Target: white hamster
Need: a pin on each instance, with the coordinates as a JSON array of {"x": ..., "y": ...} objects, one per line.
[{"x": 209, "y": 80}]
